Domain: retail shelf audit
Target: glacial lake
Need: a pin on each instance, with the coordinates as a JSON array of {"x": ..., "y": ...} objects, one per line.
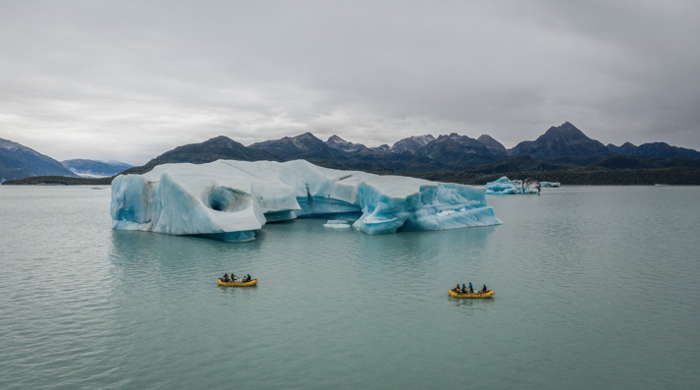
[{"x": 595, "y": 288}]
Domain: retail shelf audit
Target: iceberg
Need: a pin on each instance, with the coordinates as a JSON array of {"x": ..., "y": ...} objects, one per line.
[
  {"x": 504, "y": 186},
  {"x": 230, "y": 200},
  {"x": 550, "y": 184}
]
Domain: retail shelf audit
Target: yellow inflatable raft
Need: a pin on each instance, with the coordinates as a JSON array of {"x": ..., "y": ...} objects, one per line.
[
  {"x": 234, "y": 284},
  {"x": 487, "y": 294}
]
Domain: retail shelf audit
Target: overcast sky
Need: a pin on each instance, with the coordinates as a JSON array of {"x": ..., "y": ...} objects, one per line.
[{"x": 127, "y": 80}]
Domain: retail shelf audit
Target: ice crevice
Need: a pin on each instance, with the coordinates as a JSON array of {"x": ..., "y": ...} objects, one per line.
[{"x": 230, "y": 200}]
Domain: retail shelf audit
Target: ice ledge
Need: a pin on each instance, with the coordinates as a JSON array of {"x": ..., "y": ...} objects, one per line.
[{"x": 229, "y": 199}]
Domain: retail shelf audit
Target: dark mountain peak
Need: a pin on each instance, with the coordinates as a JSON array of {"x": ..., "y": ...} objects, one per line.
[
  {"x": 625, "y": 149},
  {"x": 657, "y": 145},
  {"x": 338, "y": 143},
  {"x": 487, "y": 138},
  {"x": 662, "y": 149},
  {"x": 18, "y": 161},
  {"x": 460, "y": 139},
  {"x": 306, "y": 137},
  {"x": 221, "y": 138},
  {"x": 12, "y": 146},
  {"x": 653, "y": 149},
  {"x": 307, "y": 140},
  {"x": 221, "y": 141},
  {"x": 412, "y": 144},
  {"x": 335, "y": 139},
  {"x": 304, "y": 146},
  {"x": 562, "y": 141},
  {"x": 452, "y": 136},
  {"x": 217, "y": 148},
  {"x": 382, "y": 148},
  {"x": 457, "y": 150},
  {"x": 566, "y": 131},
  {"x": 491, "y": 144},
  {"x": 7, "y": 144}
]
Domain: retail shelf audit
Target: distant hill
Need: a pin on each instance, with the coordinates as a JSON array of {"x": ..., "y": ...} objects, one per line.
[
  {"x": 17, "y": 161},
  {"x": 653, "y": 149},
  {"x": 338, "y": 143},
  {"x": 492, "y": 145},
  {"x": 458, "y": 150},
  {"x": 213, "y": 149},
  {"x": 95, "y": 168},
  {"x": 645, "y": 162},
  {"x": 305, "y": 146},
  {"x": 627, "y": 148},
  {"x": 411, "y": 144},
  {"x": 564, "y": 141}
]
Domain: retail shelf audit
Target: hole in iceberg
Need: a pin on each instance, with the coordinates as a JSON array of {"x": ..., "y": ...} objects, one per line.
[{"x": 228, "y": 200}]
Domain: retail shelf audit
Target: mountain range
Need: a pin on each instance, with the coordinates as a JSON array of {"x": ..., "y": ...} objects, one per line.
[
  {"x": 95, "y": 168},
  {"x": 17, "y": 161},
  {"x": 560, "y": 148}
]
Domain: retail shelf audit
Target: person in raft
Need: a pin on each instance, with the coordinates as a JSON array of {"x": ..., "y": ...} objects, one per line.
[
  {"x": 471, "y": 289},
  {"x": 484, "y": 290},
  {"x": 249, "y": 278},
  {"x": 464, "y": 289},
  {"x": 225, "y": 278},
  {"x": 456, "y": 289}
]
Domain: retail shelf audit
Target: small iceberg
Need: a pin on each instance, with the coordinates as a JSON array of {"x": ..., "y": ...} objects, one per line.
[
  {"x": 504, "y": 186},
  {"x": 337, "y": 224},
  {"x": 550, "y": 184}
]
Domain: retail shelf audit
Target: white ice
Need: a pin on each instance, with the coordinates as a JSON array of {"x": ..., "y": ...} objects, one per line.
[
  {"x": 550, "y": 184},
  {"x": 336, "y": 224},
  {"x": 229, "y": 199},
  {"x": 504, "y": 186}
]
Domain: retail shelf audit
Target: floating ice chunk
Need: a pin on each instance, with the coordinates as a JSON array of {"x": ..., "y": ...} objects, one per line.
[
  {"x": 503, "y": 186},
  {"x": 550, "y": 184},
  {"x": 229, "y": 200},
  {"x": 337, "y": 225}
]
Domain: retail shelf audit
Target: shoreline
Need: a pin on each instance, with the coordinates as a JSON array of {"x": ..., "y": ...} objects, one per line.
[{"x": 676, "y": 176}]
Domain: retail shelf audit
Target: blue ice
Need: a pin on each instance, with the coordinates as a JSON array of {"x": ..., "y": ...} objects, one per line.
[
  {"x": 230, "y": 200},
  {"x": 504, "y": 186}
]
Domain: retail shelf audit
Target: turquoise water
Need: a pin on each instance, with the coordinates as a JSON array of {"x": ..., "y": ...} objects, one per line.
[{"x": 596, "y": 287}]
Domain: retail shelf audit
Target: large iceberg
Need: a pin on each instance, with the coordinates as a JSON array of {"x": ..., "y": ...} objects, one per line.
[
  {"x": 229, "y": 199},
  {"x": 504, "y": 186}
]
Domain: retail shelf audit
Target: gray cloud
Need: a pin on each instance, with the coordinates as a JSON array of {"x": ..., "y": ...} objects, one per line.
[{"x": 128, "y": 80}]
